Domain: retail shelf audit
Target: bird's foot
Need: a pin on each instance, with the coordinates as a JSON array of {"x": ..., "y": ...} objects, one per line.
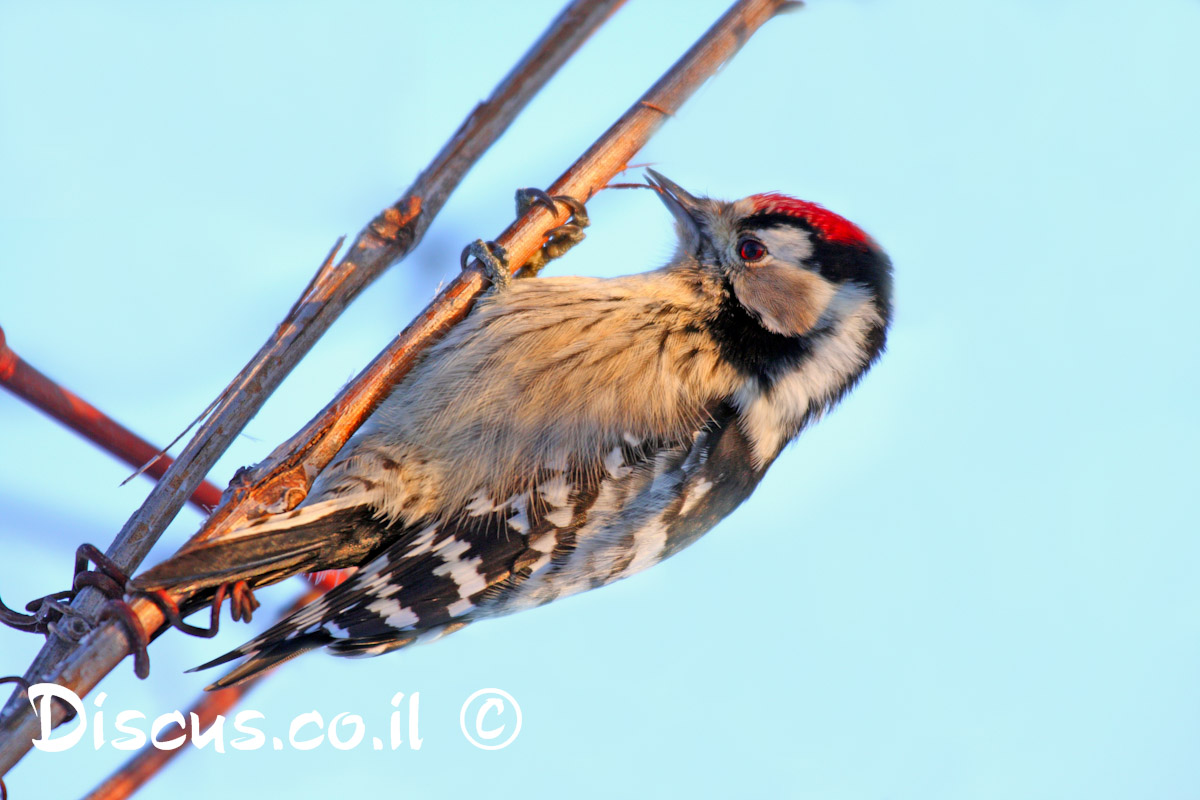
[
  {"x": 492, "y": 260},
  {"x": 558, "y": 240}
]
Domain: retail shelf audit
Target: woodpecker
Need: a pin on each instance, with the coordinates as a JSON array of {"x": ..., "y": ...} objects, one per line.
[{"x": 570, "y": 432}]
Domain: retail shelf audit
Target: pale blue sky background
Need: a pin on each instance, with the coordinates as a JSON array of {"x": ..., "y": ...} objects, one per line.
[{"x": 976, "y": 579}]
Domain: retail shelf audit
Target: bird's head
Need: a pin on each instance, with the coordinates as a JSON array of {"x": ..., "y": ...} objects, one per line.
[{"x": 786, "y": 261}]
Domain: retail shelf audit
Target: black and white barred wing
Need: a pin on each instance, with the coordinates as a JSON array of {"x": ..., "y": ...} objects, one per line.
[
  {"x": 575, "y": 530},
  {"x": 421, "y": 586}
]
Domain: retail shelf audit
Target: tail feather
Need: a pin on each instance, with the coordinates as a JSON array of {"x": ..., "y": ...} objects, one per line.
[
  {"x": 272, "y": 655},
  {"x": 424, "y": 584},
  {"x": 191, "y": 571},
  {"x": 327, "y": 534}
]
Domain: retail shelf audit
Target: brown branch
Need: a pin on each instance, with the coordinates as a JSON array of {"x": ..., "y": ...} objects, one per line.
[
  {"x": 143, "y": 766},
  {"x": 389, "y": 237},
  {"x": 26, "y": 382},
  {"x": 282, "y": 480}
]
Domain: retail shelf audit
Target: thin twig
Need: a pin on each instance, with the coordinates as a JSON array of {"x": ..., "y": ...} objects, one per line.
[
  {"x": 389, "y": 237},
  {"x": 23, "y": 380}
]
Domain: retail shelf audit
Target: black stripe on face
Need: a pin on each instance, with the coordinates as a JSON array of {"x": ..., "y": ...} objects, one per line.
[{"x": 754, "y": 351}]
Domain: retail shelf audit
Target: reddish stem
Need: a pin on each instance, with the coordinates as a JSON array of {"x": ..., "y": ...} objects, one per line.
[{"x": 22, "y": 379}]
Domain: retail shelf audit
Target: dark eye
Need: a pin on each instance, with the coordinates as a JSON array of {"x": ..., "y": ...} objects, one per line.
[{"x": 751, "y": 250}]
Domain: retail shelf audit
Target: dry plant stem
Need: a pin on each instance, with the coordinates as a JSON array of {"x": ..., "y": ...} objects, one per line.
[
  {"x": 23, "y": 380},
  {"x": 389, "y": 237},
  {"x": 143, "y": 766}
]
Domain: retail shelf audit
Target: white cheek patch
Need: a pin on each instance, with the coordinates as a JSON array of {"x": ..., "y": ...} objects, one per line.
[
  {"x": 788, "y": 244},
  {"x": 771, "y": 418},
  {"x": 786, "y": 297}
]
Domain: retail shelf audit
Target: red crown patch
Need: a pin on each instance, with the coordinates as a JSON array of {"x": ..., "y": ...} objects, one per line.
[{"x": 832, "y": 227}]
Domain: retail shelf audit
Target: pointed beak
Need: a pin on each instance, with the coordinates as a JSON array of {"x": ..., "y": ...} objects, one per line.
[{"x": 683, "y": 206}]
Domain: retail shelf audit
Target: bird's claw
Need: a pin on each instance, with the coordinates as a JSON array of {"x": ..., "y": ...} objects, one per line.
[
  {"x": 531, "y": 196},
  {"x": 491, "y": 259},
  {"x": 561, "y": 239},
  {"x": 494, "y": 261},
  {"x": 579, "y": 214},
  {"x": 558, "y": 240}
]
